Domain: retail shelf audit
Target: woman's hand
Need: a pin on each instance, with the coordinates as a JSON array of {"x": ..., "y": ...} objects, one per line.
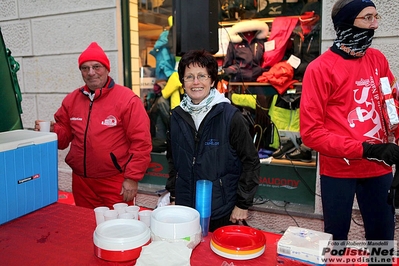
[{"x": 238, "y": 215}]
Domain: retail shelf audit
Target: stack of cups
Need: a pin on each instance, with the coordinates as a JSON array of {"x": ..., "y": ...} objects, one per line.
[{"x": 203, "y": 202}]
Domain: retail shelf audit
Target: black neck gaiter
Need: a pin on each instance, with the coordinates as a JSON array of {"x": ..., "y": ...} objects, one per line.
[{"x": 352, "y": 42}]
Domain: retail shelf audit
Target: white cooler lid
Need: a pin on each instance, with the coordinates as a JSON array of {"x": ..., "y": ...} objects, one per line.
[{"x": 11, "y": 140}]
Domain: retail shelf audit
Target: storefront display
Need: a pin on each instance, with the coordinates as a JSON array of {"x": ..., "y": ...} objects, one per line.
[{"x": 264, "y": 49}]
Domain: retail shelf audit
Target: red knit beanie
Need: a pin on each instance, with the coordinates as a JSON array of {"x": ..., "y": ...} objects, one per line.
[{"x": 94, "y": 53}]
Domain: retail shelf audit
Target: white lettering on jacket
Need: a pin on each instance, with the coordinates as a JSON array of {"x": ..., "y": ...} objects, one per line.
[{"x": 366, "y": 111}]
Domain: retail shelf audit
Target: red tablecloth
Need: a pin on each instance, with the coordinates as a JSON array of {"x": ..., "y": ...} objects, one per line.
[{"x": 62, "y": 234}]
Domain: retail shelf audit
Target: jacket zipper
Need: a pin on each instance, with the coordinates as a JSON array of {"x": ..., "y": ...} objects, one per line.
[
  {"x": 85, "y": 138},
  {"x": 196, "y": 141},
  {"x": 222, "y": 190}
]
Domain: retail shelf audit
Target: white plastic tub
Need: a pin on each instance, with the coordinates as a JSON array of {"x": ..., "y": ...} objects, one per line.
[{"x": 120, "y": 239}]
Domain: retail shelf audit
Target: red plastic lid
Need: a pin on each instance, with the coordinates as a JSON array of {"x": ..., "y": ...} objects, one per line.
[{"x": 238, "y": 237}]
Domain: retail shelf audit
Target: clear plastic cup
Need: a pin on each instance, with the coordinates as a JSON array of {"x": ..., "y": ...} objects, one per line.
[
  {"x": 133, "y": 209},
  {"x": 145, "y": 217},
  {"x": 126, "y": 215},
  {"x": 110, "y": 215},
  {"x": 99, "y": 213},
  {"x": 120, "y": 207}
]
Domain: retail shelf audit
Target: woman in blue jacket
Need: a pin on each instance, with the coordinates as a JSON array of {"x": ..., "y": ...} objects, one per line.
[{"x": 210, "y": 140}]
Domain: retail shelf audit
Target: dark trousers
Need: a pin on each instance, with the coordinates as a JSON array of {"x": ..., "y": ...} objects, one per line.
[
  {"x": 337, "y": 195},
  {"x": 215, "y": 224}
]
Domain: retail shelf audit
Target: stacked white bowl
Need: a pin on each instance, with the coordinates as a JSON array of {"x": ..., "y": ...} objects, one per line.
[{"x": 176, "y": 223}]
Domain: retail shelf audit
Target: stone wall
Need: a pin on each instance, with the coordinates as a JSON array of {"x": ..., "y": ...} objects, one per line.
[{"x": 46, "y": 38}]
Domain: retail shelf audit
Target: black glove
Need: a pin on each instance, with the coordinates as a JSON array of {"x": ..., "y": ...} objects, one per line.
[
  {"x": 393, "y": 196},
  {"x": 385, "y": 152}
]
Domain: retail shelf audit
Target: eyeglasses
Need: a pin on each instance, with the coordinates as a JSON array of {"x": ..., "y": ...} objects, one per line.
[
  {"x": 86, "y": 69},
  {"x": 370, "y": 18},
  {"x": 200, "y": 77}
]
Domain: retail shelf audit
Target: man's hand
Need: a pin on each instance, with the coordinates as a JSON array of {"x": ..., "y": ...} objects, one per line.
[
  {"x": 37, "y": 125},
  {"x": 385, "y": 152},
  {"x": 238, "y": 215},
  {"x": 129, "y": 189}
]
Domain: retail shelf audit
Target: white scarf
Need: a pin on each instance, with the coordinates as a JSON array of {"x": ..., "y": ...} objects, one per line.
[{"x": 199, "y": 111}]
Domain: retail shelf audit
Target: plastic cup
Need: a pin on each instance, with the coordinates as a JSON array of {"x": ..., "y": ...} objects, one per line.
[
  {"x": 120, "y": 207},
  {"x": 204, "y": 222},
  {"x": 133, "y": 209},
  {"x": 99, "y": 213},
  {"x": 145, "y": 217},
  {"x": 126, "y": 215},
  {"x": 203, "y": 197},
  {"x": 110, "y": 215},
  {"x": 44, "y": 126},
  {"x": 203, "y": 203}
]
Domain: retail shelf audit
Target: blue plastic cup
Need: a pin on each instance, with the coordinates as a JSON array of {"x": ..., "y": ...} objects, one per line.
[
  {"x": 204, "y": 221},
  {"x": 203, "y": 202}
]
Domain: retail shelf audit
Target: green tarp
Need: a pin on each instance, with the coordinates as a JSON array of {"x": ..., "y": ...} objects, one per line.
[{"x": 10, "y": 94}]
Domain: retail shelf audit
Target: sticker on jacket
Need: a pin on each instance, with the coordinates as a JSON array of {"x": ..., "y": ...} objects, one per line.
[{"x": 109, "y": 121}]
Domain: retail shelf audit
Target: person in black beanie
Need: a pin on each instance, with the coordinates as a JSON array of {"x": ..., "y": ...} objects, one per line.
[{"x": 344, "y": 117}]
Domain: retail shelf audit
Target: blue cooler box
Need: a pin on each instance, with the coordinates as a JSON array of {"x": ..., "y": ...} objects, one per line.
[{"x": 28, "y": 172}]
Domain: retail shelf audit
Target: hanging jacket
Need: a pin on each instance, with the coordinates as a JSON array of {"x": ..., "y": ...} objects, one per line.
[
  {"x": 215, "y": 152},
  {"x": 282, "y": 28},
  {"x": 306, "y": 37},
  {"x": 244, "y": 56},
  {"x": 165, "y": 61},
  {"x": 108, "y": 132}
]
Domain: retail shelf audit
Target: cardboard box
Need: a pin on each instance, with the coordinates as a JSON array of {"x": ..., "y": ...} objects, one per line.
[
  {"x": 304, "y": 244},
  {"x": 28, "y": 172}
]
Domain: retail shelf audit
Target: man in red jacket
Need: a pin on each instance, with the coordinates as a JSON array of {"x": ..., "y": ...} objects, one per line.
[
  {"x": 108, "y": 131},
  {"x": 343, "y": 117}
]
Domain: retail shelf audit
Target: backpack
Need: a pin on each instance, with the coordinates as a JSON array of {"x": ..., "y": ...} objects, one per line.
[
  {"x": 284, "y": 113},
  {"x": 263, "y": 127}
]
